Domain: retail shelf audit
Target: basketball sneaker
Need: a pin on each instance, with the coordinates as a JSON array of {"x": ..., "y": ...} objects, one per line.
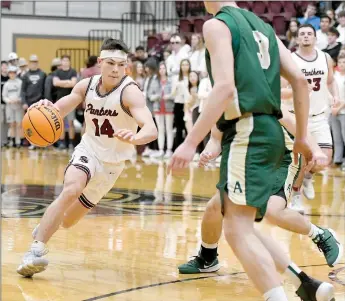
[
  {"x": 328, "y": 244},
  {"x": 314, "y": 290},
  {"x": 308, "y": 189},
  {"x": 199, "y": 265},
  {"x": 33, "y": 261},
  {"x": 296, "y": 203}
]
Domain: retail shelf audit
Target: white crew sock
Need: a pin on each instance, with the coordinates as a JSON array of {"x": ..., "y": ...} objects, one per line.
[
  {"x": 275, "y": 294},
  {"x": 292, "y": 273}
]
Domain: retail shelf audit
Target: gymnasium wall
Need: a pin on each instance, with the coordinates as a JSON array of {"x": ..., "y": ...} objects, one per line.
[{"x": 42, "y": 36}]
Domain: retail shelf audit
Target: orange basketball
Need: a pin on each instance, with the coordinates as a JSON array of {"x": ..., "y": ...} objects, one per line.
[{"x": 42, "y": 125}]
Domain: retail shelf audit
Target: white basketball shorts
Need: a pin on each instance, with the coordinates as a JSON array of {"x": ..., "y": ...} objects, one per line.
[
  {"x": 319, "y": 127},
  {"x": 101, "y": 176}
]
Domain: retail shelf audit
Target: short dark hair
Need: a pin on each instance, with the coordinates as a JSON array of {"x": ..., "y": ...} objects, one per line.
[
  {"x": 113, "y": 44},
  {"x": 306, "y": 26},
  {"x": 326, "y": 17},
  {"x": 334, "y": 31},
  {"x": 140, "y": 48},
  {"x": 66, "y": 56},
  {"x": 4, "y": 62}
]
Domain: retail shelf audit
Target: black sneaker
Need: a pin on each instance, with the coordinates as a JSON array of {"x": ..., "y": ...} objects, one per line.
[{"x": 314, "y": 290}]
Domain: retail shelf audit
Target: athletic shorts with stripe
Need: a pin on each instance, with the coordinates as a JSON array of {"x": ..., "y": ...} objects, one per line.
[
  {"x": 319, "y": 128},
  {"x": 252, "y": 151},
  {"x": 101, "y": 176}
]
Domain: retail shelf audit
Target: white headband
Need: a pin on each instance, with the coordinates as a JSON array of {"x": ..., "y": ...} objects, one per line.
[{"x": 113, "y": 54}]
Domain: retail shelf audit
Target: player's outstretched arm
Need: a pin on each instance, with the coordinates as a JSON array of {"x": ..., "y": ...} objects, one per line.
[
  {"x": 299, "y": 84},
  {"x": 218, "y": 100},
  {"x": 67, "y": 104},
  {"x": 134, "y": 100}
]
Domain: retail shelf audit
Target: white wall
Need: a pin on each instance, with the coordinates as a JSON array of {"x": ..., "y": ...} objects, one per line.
[{"x": 11, "y": 26}]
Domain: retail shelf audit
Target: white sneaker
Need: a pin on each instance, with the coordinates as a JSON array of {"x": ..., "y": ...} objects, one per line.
[
  {"x": 33, "y": 261},
  {"x": 168, "y": 154},
  {"x": 296, "y": 204},
  {"x": 308, "y": 189},
  {"x": 157, "y": 154},
  {"x": 147, "y": 152}
]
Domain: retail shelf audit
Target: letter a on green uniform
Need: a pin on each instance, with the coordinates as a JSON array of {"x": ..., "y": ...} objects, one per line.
[{"x": 238, "y": 187}]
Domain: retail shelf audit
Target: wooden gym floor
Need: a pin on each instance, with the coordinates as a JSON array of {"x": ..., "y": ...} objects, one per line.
[{"x": 129, "y": 247}]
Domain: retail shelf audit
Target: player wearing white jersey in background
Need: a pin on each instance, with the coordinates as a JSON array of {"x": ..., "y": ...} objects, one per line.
[
  {"x": 317, "y": 67},
  {"x": 115, "y": 107}
]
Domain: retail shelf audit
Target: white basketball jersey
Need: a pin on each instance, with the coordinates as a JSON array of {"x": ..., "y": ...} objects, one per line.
[
  {"x": 316, "y": 72},
  {"x": 103, "y": 116}
]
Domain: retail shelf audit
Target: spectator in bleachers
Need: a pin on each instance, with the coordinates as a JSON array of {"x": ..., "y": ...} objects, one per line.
[
  {"x": 205, "y": 88},
  {"x": 321, "y": 34},
  {"x": 3, "y": 124},
  {"x": 33, "y": 85},
  {"x": 174, "y": 60},
  {"x": 333, "y": 47},
  {"x": 181, "y": 94},
  {"x": 291, "y": 34},
  {"x": 337, "y": 118},
  {"x": 310, "y": 16},
  {"x": 50, "y": 92},
  {"x": 184, "y": 43},
  {"x": 340, "y": 8},
  {"x": 330, "y": 13},
  {"x": 13, "y": 59},
  {"x": 23, "y": 67},
  {"x": 163, "y": 109},
  {"x": 166, "y": 54},
  {"x": 152, "y": 93},
  {"x": 11, "y": 95},
  {"x": 191, "y": 111},
  {"x": 92, "y": 67},
  {"x": 140, "y": 54},
  {"x": 197, "y": 54},
  {"x": 341, "y": 27},
  {"x": 138, "y": 74},
  {"x": 64, "y": 80},
  {"x": 129, "y": 67}
]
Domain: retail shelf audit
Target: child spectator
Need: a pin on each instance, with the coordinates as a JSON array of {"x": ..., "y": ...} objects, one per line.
[{"x": 14, "y": 111}]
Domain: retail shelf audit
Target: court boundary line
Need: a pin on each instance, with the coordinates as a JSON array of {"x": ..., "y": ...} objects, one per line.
[{"x": 331, "y": 276}]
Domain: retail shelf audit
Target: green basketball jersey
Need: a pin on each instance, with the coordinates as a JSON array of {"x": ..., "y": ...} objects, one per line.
[{"x": 257, "y": 65}]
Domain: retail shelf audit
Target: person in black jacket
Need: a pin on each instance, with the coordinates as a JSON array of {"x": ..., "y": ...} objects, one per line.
[
  {"x": 33, "y": 85},
  {"x": 333, "y": 47},
  {"x": 3, "y": 126}
]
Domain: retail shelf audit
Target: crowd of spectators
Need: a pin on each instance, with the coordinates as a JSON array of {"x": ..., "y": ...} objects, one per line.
[{"x": 172, "y": 75}]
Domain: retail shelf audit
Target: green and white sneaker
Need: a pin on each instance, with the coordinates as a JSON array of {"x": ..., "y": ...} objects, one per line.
[
  {"x": 199, "y": 265},
  {"x": 327, "y": 243},
  {"x": 314, "y": 290}
]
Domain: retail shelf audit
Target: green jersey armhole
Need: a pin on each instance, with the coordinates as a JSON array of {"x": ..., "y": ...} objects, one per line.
[{"x": 235, "y": 31}]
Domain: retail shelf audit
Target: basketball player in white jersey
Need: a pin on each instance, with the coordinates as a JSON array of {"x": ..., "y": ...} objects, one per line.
[
  {"x": 114, "y": 108},
  {"x": 317, "y": 67}
]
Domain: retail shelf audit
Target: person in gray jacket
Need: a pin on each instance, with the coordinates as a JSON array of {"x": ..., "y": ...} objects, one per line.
[
  {"x": 33, "y": 85},
  {"x": 14, "y": 111}
]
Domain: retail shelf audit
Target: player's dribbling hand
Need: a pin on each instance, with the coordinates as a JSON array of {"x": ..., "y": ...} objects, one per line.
[
  {"x": 42, "y": 102},
  {"x": 125, "y": 135}
]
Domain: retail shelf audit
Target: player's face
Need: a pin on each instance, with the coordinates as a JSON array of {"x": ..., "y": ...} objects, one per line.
[
  {"x": 306, "y": 37},
  {"x": 112, "y": 70},
  {"x": 341, "y": 65}
]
